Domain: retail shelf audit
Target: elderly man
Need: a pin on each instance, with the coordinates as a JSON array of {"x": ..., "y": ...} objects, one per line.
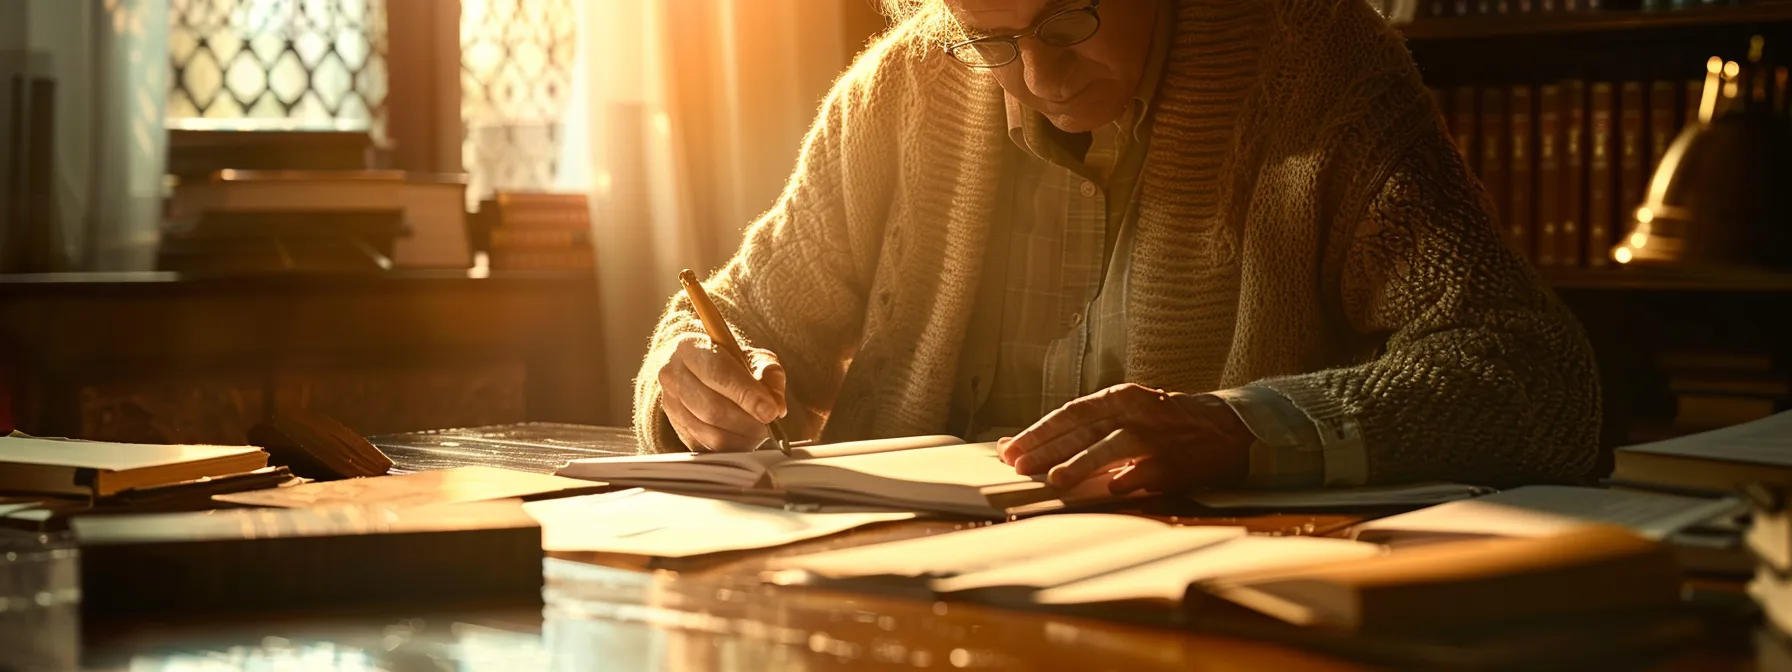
[{"x": 1188, "y": 243}]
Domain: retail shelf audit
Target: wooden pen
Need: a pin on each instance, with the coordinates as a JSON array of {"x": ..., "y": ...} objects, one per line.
[{"x": 723, "y": 337}]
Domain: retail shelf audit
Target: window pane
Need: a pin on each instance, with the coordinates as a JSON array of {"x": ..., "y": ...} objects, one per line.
[
  {"x": 310, "y": 61},
  {"x": 516, "y": 69}
]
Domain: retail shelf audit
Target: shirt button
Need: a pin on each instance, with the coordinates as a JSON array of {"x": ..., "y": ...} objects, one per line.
[
  {"x": 1076, "y": 319},
  {"x": 1088, "y": 189}
]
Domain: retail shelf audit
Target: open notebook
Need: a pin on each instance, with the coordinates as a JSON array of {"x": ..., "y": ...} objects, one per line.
[{"x": 923, "y": 473}]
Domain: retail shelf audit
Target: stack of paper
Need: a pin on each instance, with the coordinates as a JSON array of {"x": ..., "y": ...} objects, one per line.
[
  {"x": 658, "y": 524},
  {"x": 1071, "y": 559},
  {"x": 1543, "y": 510}
]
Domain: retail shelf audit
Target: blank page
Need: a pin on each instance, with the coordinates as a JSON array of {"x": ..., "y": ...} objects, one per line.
[
  {"x": 1168, "y": 578},
  {"x": 1090, "y": 560},
  {"x": 971, "y": 550}
]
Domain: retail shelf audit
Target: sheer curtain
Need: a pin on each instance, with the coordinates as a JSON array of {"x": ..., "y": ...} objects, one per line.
[{"x": 688, "y": 114}]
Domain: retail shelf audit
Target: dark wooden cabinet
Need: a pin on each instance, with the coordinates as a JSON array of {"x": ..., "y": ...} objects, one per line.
[{"x": 160, "y": 358}]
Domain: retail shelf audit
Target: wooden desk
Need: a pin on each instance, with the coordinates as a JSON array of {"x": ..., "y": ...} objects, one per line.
[{"x": 712, "y": 614}]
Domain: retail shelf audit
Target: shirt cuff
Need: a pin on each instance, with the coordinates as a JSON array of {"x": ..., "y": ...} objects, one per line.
[{"x": 1290, "y": 450}]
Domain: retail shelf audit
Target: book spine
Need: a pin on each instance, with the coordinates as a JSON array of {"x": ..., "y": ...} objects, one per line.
[
  {"x": 1663, "y": 125},
  {"x": 1549, "y": 174},
  {"x": 1493, "y": 153},
  {"x": 538, "y": 237},
  {"x": 1689, "y": 102},
  {"x": 1464, "y": 121},
  {"x": 1570, "y": 248},
  {"x": 1601, "y": 176},
  {"x": 1520, "y": 189},
  {"x": 1633, "y": 147}
]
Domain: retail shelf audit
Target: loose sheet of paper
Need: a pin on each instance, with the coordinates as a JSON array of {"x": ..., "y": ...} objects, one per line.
[
  {"x": 971, "y": 550},
  {"x": 1104, "y": 556},
  {"x": 1542, "y": 510},
  {"x": 1166, "y": 579},
  {"x": 658, "y": 524},
  {"x": 1764, "y": 441},
  {"x": 1414, "y": 494}
]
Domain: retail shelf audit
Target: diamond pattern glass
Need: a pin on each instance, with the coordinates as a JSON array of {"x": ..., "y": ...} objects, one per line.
[
  {"x": 310, "y": 61},
  {"x": 516, "y": 79}
]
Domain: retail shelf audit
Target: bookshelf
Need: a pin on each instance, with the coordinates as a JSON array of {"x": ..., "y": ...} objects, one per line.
[
  {"x": 1623, "y": 79},
  {"x": 1571, "y": 24}
]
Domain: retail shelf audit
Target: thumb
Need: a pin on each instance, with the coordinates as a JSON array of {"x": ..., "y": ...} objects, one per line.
[{"x": 770, "y": 373}]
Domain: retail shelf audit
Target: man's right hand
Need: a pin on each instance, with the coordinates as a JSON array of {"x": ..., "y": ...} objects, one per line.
[{"x": 714, "y": 404}]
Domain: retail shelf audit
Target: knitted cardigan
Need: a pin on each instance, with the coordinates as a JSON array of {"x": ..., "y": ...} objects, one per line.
[{"x": 1304, "y": 224}]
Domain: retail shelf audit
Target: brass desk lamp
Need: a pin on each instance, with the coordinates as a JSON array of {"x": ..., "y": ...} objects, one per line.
[{"x": 1721, "y": 198}]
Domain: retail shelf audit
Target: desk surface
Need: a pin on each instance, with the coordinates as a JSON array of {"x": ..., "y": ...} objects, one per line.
[
  {"x": 623, "y": 613},
  {"x": 707, "y": 613}
]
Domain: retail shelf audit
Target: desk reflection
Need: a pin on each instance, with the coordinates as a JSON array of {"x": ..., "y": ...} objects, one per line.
[{"x": 607, "y": 618}]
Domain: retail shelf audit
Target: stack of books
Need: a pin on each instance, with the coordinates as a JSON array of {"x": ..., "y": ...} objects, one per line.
[
  {"x": 538, "y": 231},
  {"x": 1566, "y": 163},
  {"x": 1720, "y": 389},
  {"x": 1448, "y": 8},
  {"x": 44, "y": 482}
]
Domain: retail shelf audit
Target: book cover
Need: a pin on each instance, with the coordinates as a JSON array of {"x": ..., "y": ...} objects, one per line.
[
  {"x": 1493, "y": 153},
  {"x": 1519, "y": 186},
  {"x": 1571, "y": 236},
  {"x": 1601, "y": 173},
  {"x": 1549, "y": 173}
]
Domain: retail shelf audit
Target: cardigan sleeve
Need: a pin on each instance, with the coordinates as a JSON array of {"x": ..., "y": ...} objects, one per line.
[
  {"x": 1479, "y": 375},
  {"x": 798, "y": 284}
]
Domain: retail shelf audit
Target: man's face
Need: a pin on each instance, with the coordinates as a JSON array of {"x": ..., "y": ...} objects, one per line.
[{"x": 1079, "y": 87}]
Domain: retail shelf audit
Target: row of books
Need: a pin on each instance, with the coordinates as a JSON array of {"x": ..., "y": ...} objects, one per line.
[
  {"x": 537, "y": 231},
  {"x": 1567, "y": 163},
  {"x": 1446, "y": 8},
  {"x": 1720, "y": 389}
]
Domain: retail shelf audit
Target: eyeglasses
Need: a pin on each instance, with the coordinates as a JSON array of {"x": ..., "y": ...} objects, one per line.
[{"x": 1063, "y": 29}]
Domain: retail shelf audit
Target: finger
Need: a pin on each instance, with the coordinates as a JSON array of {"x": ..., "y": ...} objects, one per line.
[
  {"x": 1149, "y": 474},
  {"x": 1072, "y": 421},
  {"x": 701, "y": 437},
  {"x": 1083, "y": 435},
  {"x": 770, "y": 373},
  {"x": 723, "y": 374},
  {"x": 709, "y": 406},
  {"x": 1119, "y": 446}
]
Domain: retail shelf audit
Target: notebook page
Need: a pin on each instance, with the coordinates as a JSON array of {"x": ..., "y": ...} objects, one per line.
[
  {"x": 1094, "y": 559},
  {"x": 970, "y": 550},
  {"x": 1168, "y": 578},
  {"x": 658, "y": 524},
  {"x": 741, "y": 470},
  {"x": 866, "y": 447},
  {"x": 1542, "y": 510},
  {"x": 1339, "y": 498}
]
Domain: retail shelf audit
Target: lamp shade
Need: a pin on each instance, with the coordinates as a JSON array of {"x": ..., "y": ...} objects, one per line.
[{"x": 1721, "y": 198}]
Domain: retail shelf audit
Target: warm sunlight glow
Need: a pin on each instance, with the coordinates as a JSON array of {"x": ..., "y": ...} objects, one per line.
[{"x": 1622, "y": 255}]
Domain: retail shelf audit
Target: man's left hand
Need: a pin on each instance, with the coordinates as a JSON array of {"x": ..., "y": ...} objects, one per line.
[{"x": 1161, "y": 442}]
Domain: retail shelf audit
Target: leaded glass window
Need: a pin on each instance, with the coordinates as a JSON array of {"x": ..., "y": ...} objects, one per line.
[
  {"x": 315, "y": 62},
  {"x": 517, "y": 60}
]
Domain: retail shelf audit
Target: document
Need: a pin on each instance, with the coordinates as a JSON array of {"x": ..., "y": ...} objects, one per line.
[
  {"x": 665, "y": 525},
  {"x": 1414, "y": 494},
  {"x": 1166, "y": 579},
  {"x": 1543, "y": 510}
]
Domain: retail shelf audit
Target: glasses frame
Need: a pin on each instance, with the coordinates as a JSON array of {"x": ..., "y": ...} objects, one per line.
[{"x": 1013, "y": 41}]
